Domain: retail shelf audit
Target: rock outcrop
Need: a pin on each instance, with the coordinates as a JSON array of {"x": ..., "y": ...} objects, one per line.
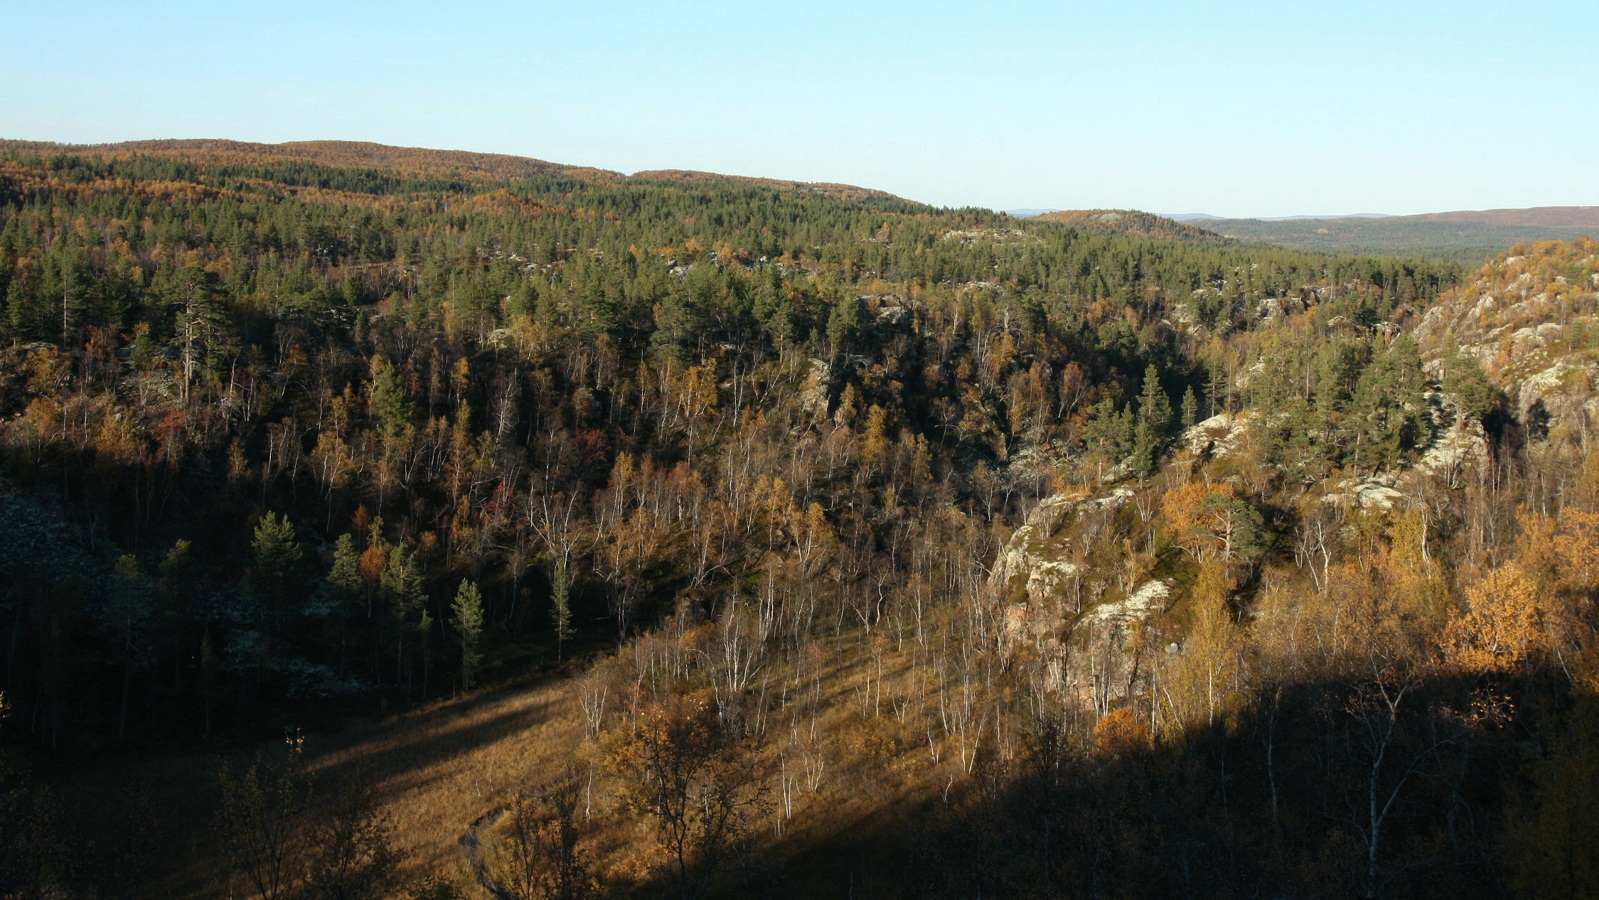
[
  {"x": 1530, "y": 321},
  {"x": 1069, "y": 616}
]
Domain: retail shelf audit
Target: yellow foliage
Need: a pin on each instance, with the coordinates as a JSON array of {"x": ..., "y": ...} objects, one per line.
[
  {"x": 875, "y": 445},
  {"x": 1505, "y": 622},
  {"x": 1575, "y": 548},
  {"x": 1535, "y": 545},
  {"x": 42, "y": 421},
  {"x": 1202, "y": 682},
  {"x": 1420, "y": 593}
]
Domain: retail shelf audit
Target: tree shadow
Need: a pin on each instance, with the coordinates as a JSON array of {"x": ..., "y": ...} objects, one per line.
[{"x": 1391, "y": 786}]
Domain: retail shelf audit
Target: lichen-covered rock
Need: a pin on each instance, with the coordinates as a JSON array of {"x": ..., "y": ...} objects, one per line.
[
  {"x": 1042, "y": 589},
  {"x": 1459, "y": 445},
  {"x": 1047, "y": 578},
  {"x": 815, "y": 395},
  {"x": 1054, "y": 609},
  {"x": 1376, "y": 492},
  {"x": 1150, "y": 598},
  {"x": 1104, "y": 653},
  {"x": 1218, "y": 436}
]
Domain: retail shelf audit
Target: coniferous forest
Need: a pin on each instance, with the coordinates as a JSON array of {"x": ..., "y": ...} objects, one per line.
[{"x": 381, "y": 522}]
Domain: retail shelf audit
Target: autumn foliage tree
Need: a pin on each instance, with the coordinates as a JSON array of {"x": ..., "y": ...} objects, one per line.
[
  {"x": 1211, "y": 519},
  {"x": 1506, "y": 623},
  {"x": 697, "y": 784}
]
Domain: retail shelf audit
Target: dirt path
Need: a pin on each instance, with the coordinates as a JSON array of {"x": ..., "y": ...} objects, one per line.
[{"x": 472, "y": 846}]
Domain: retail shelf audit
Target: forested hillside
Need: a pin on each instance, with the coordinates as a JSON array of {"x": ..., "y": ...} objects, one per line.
[
  {"x": 692, "y": 535},
  {"x": 1131, "y": 223}
]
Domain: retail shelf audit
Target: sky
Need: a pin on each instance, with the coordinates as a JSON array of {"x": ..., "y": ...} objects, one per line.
[{"x": 1242, "y": 109}]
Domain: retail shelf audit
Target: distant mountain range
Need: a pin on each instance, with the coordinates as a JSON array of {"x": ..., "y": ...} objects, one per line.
[
  {"x": 1465, "y": 236},
  {"x": 1207, "y": 217}
]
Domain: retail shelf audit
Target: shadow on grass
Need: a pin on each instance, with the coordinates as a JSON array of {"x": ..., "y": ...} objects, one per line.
[
  {"x": 1386, "y": 787},
  {"x": 158, "y": 819}
]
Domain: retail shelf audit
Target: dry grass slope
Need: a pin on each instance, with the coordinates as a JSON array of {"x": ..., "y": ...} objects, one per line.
[{"x": 850, "y": 752}]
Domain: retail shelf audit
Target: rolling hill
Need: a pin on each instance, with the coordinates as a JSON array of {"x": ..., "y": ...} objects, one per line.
[
  {"x": 406, "y": 162},
  {"x": 1132, "y": 223}
]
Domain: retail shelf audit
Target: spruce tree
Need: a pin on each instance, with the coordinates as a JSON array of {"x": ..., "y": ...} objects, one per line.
[
  {"x": 1153, "y": 425},
  {"x": 276, "y": 563},
  {"x": 1154, "y": 407},
  {"x": 402, "y": 587},
  {"x": 345, "y": 573}
]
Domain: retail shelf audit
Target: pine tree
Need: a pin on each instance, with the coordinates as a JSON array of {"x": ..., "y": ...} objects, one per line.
[
  {"x": 1217, "y": 394},
  {"x": 391, "y": 411},
  {"x": 468, "y": 609},
  {"x": 16, "y": 308},
  {"x": 1153, "y": 425},
  {"x": 345, "y": 573},
  {"x": 1145, "y": 449},
  {"x": 402, "y": 588},
  {"x": 843, "y": 324},
  {"x": 1108, "y": 434},
  {"x": 561, "y": 607},
  {"x": 1465, "y": 380},
  {"x": 201, "y": 325}
]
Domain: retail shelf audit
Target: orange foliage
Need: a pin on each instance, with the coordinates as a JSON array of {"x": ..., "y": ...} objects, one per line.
[
  {"x": 1119, "y": 732},
  {"x": 1193, "y": 514},
  {"x": 1576, "y": 547}
]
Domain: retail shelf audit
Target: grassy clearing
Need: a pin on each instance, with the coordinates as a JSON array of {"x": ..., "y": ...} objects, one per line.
[
  {"x": 852, "y": 748},
  {"x": 434, "y": 770}
]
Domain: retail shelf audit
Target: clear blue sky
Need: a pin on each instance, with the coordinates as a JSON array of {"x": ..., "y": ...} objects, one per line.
[{"x": 1229, "y": 108}]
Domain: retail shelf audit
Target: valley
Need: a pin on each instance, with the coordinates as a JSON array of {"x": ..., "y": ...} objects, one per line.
[{"x": 381, "y": 521}]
